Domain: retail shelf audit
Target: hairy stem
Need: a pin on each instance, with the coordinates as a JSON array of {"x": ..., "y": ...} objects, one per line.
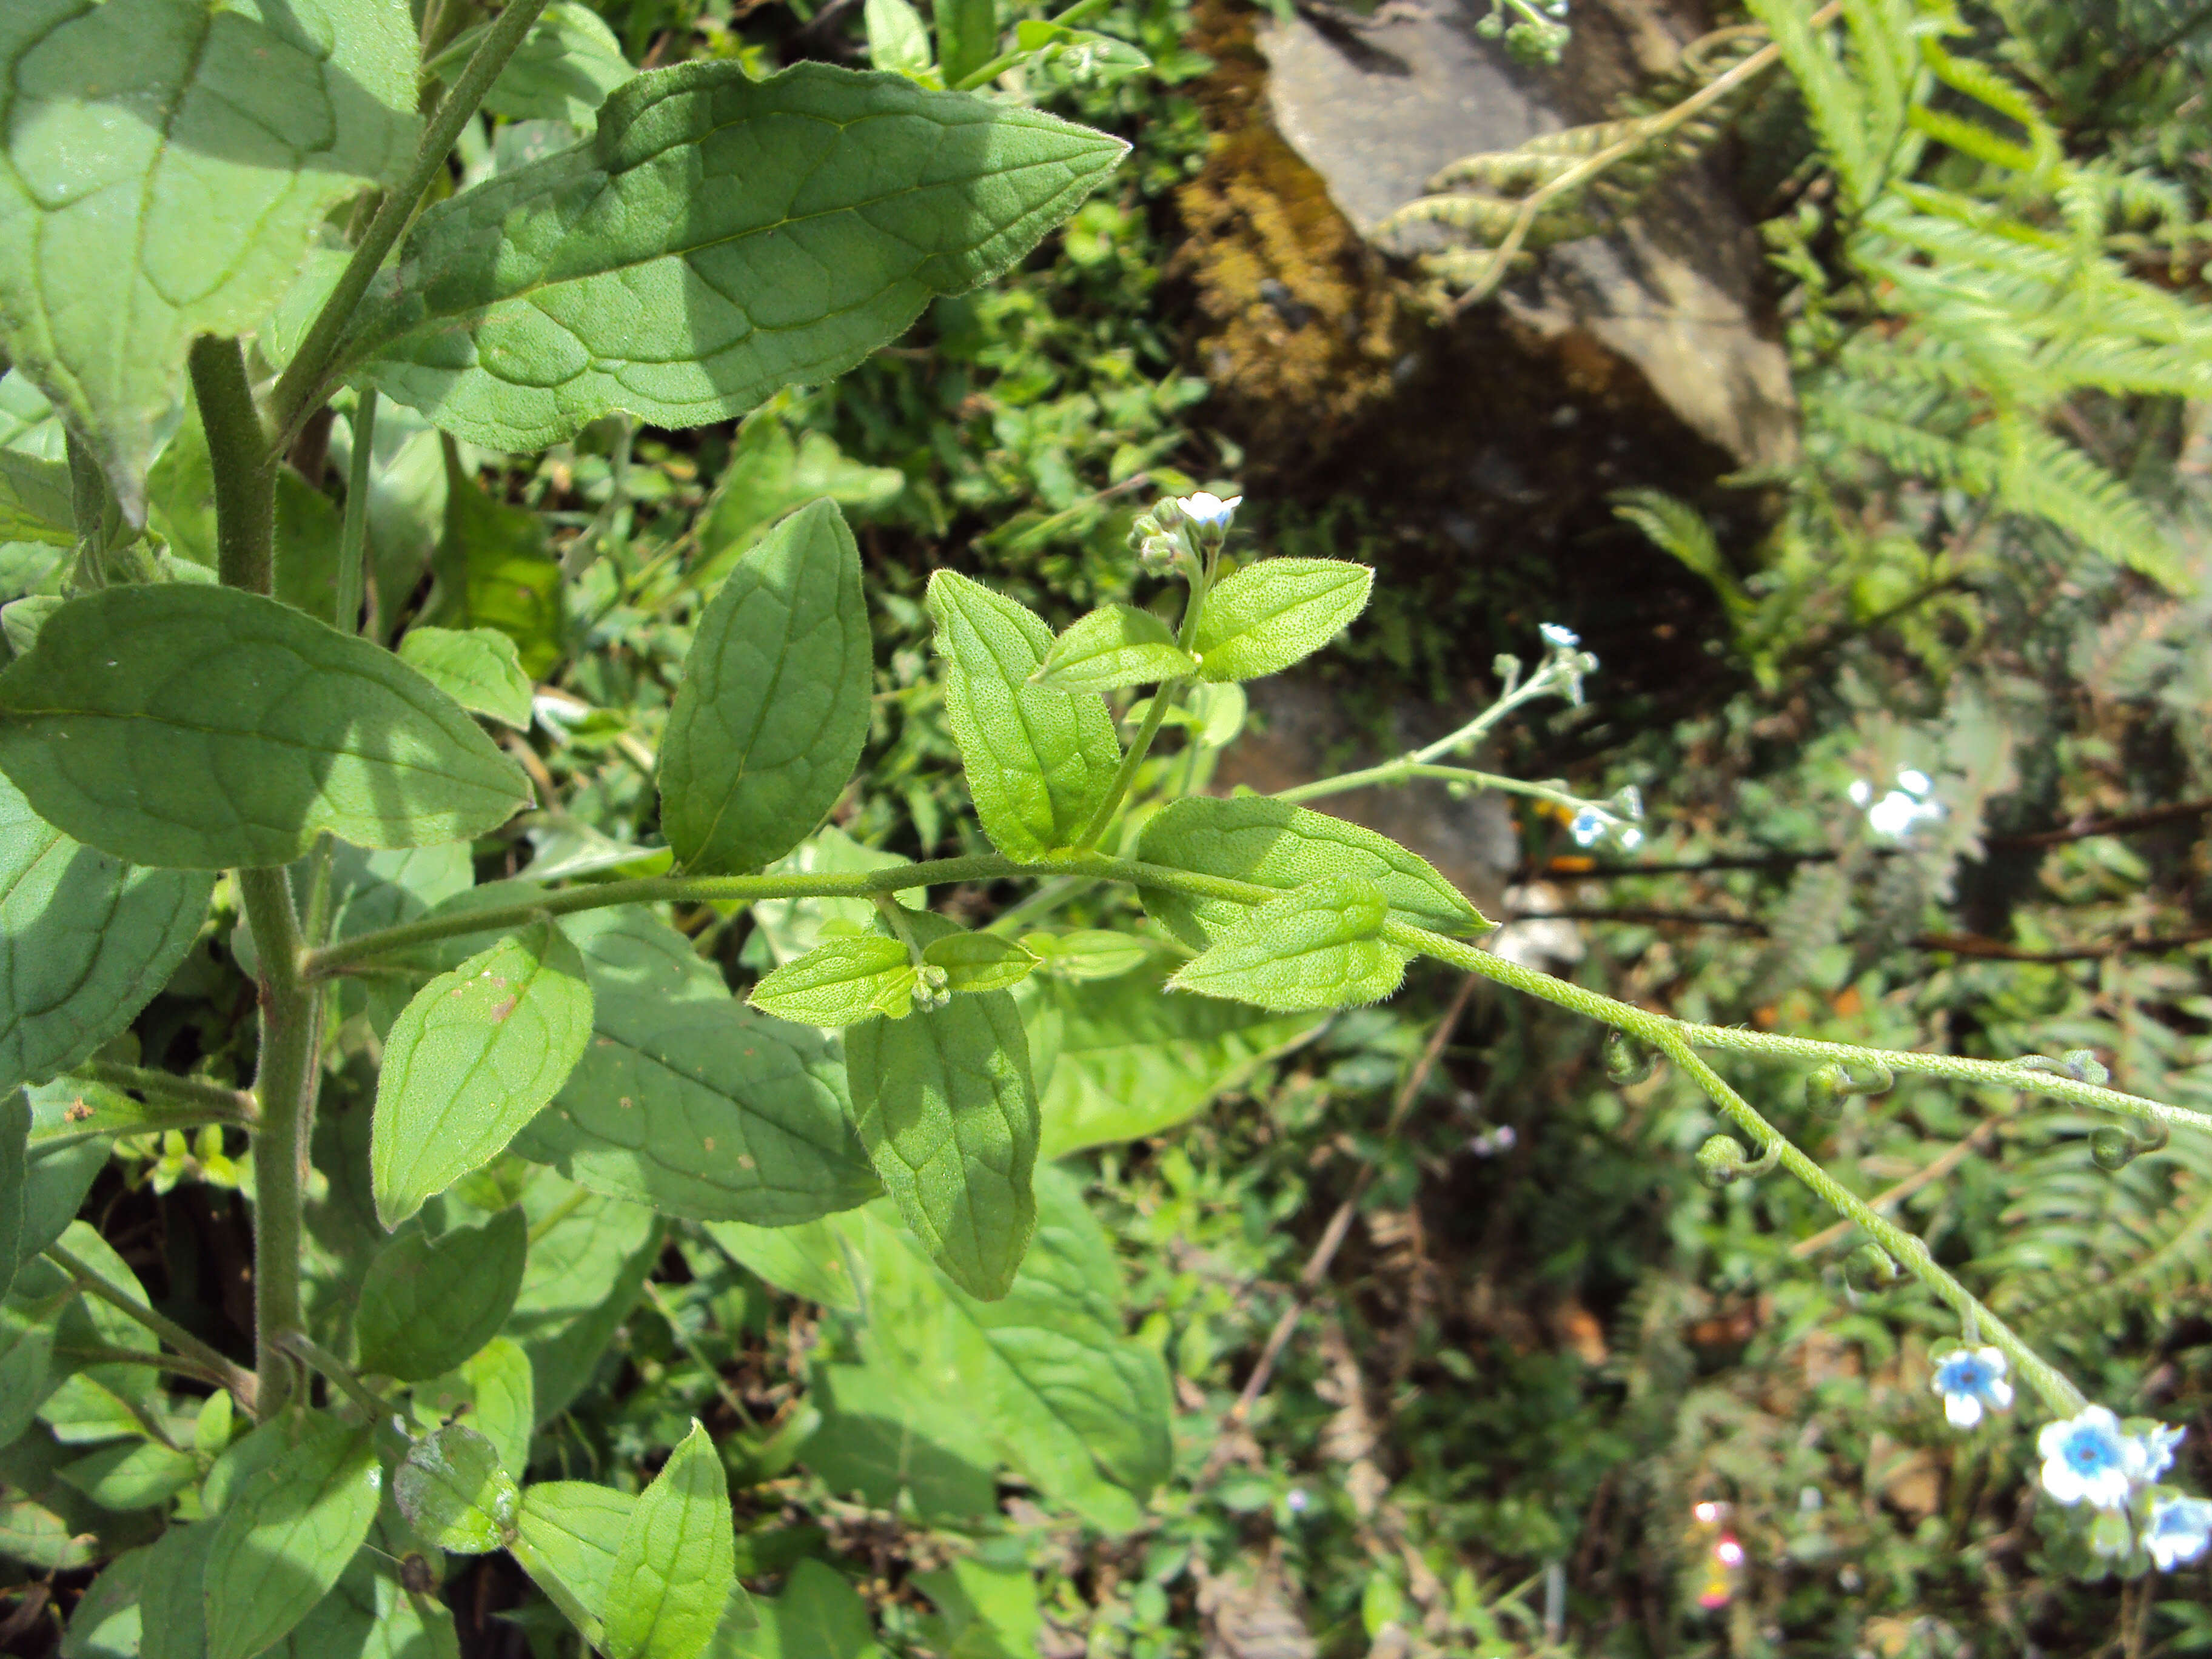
[
  {"x": 340, "y": 1374},
  {"x": 245, "y": 471},
  {"x": 1164, "y": 699},
  {"x": 207, "y": 1103},
  {"x": 301, "y": 386},
  {"x": 89, "y": 1283},
  {"x": 353, "y": 532},
  {"x": 290, "y": 1073}
]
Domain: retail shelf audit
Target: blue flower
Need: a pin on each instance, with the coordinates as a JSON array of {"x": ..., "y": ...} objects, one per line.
[
  {"x": 1209, "y": 512},
  {"x": 1588, "y": 829},
  {"x": 2153, "y": 1449},
  {"x": 1972, "y": 1379},
  {"x": 2180, "y": 1529},
  {"x": 2087, "y": 1457},
  {"x": 1559, "y": 638}
]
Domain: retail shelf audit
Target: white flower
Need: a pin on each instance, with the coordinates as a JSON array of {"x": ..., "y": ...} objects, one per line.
[
  {"x": 1860, "y": 792},
  {"x": 1209, "y": 512},
  {"x": 1896, "y": 813},
  {"x": 2087, "y": 1457},
  {"x": 1972, "y": 1379},
  {"x": 1630, "y": 839},
  {"x": 1588, "y": 829},
  {"x": 1559, "y": 638},
  {"x": 2152, "y": 1451},
  {"x": 2180, "y": 1529},
  {"x": 1914, "y": 783}
]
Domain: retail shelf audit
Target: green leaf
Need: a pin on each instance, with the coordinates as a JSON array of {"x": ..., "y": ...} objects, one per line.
[
  {"x": 676, "y": 1567},
  {"x": 1270, "y": 843},
  {"x": 966, "y": 37},
  {"x": 134, "y": 1475},
  {"x": 167, "y": 163},
  {"x": 493, "y": 1388},
  {"x": 986, "y": 1611},
  {"x": 1115, "y": 646},
  {"x": 773, "y": 709},
  {"x": 56, "y": 1183},
  {"x": 1046, "y": 1379},
  {"x": 85, "y": 941},
  {"x": 105, "y": 1623},
  {"x": 1320, "y": 945},
  {"x": 477, "y": 667},
  {"x": 948, "y": 1111},
  {"x": 1262, "y": 619},
  {"x": 772, "y": 471},
  {"x": 1041, "y": 41},
  {"x": 842, "y": 981},
  {"x": 567, "y": 1535},
  {"x": 898, "y": 39},
  {"x": 15, "y": 1143},
  {"x": 171, "y": 1612},
  {"x": 808, "y": 1261},
  {"x": 495, "y": 571},
  {"x": 1131, "y": 1061},
  {"x": 27, "y": 1347},
  {"x": 979, "y": 961},
  {"x": 562, "y": 71},
  {"x": 687, "y": 1101},
  {"x": 427, "y": 1305},
  {"x": 1038, "y": 761},
  {"x": 475, "y": 1055},
  {"x": 588, "y": 1264},
  {"x": 1087, "y": 953},
  {"x": 286, "y": 1533},
  {"x": 453, "y": 1491},
  {"x": 817, "y": 1616},
  {"x": 35, "y": 504},
  {"x": 200, "y": 727},
  {"x": 718, "y": 238},
  {"x": 885, "y": 1441}
]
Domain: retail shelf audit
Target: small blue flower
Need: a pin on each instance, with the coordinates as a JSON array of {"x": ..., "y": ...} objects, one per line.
[
  {"x": 1559, "y": 638},
  {"x": 2153, "y": 1450},
  {"x": 1209, "y": 512},
  {"x": 2180, "y": 1530},
  {"x": 2087, "y": 1457},
  {"x": 1972, "y": 1379},
  {"x": 1588, "y": 829}
]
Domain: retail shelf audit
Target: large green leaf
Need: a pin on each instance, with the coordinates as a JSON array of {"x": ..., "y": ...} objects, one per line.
[
  {"x": 166, "y": 163},
  {"x": 817, "y": 1616},
  {"x": 773, "y": 704},
  {"x": 1050, "y": 1383},
  {"x": 566, "y": 1535},
  {"x": 475, "y": 1055},
  {"x": 809, "y": 1260},
  {"x": 1269, "y": 843},
  {"x": 885, "y": 1440},
  {"x": 199, "y": 727},
  {"x": 1320, "y": 945},
  {"x": 1038, "y": 760},
  {"x": 676, "y": 1569},
  {"x": 948, "y": 1110},
  {"x": 172, "y": 1610},
  {"x": 1132, "y": 1061},
  {"x": 427, "y": 1305},
  {"x": 688, "y": 1101},
  {"x": 85, "y": 941},
  {"x": 15, "y": 1143},
  {"x": 286, "y": 1533},
  {"x": 718, "y": 237}
]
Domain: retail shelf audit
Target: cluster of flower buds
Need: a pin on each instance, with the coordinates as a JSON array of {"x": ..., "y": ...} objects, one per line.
[{"x": 1180, "y": 531}]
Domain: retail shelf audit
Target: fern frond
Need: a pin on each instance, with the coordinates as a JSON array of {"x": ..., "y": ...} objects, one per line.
[{"x": 1676, "y": 528}]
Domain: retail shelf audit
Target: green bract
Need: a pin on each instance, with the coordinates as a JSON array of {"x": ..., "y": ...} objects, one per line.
[
  {"x": 718, "y": 237},
  {"x": 773, "y": 707},
  {"x": 193, "y": 728},
  {"x": 1038, "y": 760}
]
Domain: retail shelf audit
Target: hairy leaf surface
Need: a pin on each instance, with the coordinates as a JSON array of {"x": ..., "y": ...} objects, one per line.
[
  {"x": 1114, "y": 645},
  {"x": 717, "y": 238},
  {"x": 566, "y": 1535},
  {"x": 1262, "y": 619},
  {"x": 427, "y": 1305},
  {"x": 676, "y": 1569},
  {"x": 1320, "y": 945},
  {"x": 200, "y": 728},
  {"x": 287, "y": 1532},
  {"x": 842, "y": 981}
]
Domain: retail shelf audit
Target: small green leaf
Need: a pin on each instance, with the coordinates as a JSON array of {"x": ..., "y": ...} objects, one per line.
[
  {"x": 773, "y": 709},
  {"x": 562, "y": 71},
  {"x": 691, "y": 1103},
  {"x": 567, "y": 1535},
  {"x": 676, "y": 1567},
  {"x": 1115, "y": 646},
  {"x": 200, "y": 727},
  {"x": 841, "y": 981},
  {"x": 477, "y": 667},
  {"x": 947, "y": 1109},
  {"x": 427, "y": 1305},
  {"x": 1262, "y": 619},
  {"x": 980, "y": 962},
  {"x": 1042, "y": 40},
  {"x": 1038, "y": 761},
  {"x": 718, "y": 238},
  {"x": 1320, "y": 945},
  {"x": 493, "y": 1388},
  {"x": 1088, "y": 953},
  {"x": 286, "y": 1533},
  {"x": 85, "y": 941},
  {"x": 167, "y": 163},
  {"x": 135, "y": 1475},
  {"x": 1270, "y": 843},
  {"x": 808, "y": 1261},
  {"x": 35, "y": 503},
  {"x": 773, "y": 470},
  {"x": 817, "y": 1616},
  {"x": 898, "y": 39},
  {"x": 453, "y": 1491},
  {"x": 473, "y": 1057}
]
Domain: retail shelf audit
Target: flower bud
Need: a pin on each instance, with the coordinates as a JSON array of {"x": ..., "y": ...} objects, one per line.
[
  {"x": 2082, "y": 1064},
  {"x": 1627, "y": 1062},
  {"x": 1869, "y": 1268},
  {"x": 1827, "y": 1090},
  {"x": 2114, "y": 1148},
  {"x": 1720, "y": 1161}
]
